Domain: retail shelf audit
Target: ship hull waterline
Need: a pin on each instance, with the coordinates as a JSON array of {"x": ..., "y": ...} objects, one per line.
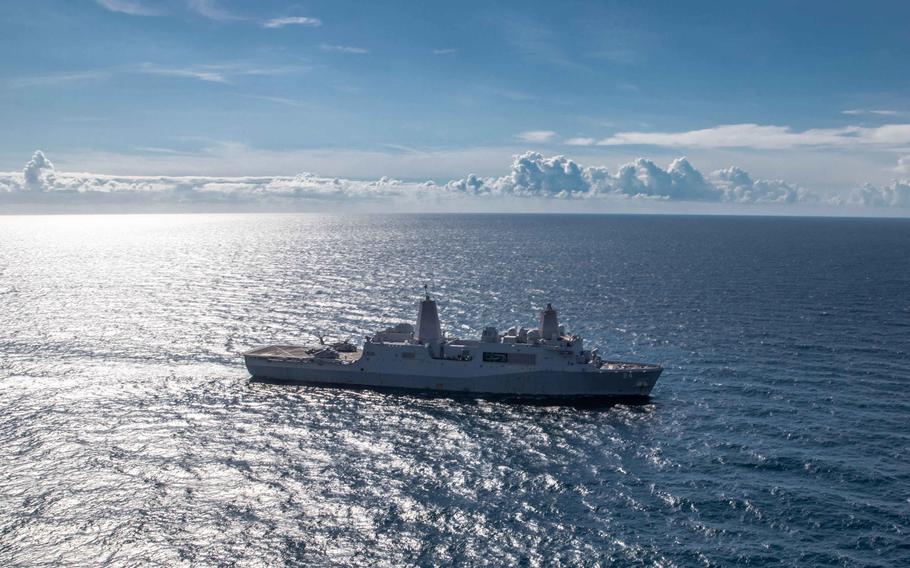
[{"x": 633, "y": 384}]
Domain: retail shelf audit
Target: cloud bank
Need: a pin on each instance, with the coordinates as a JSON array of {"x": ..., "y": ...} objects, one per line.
[
  {"x": 39, "y": 179},
  {"x": 897, "y": 194},
  {"x": 531, "y": 176},
  {"x": 559, "y": 177}
]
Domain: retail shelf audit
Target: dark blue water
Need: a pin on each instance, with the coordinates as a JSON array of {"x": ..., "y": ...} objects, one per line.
[{"x": 131, "y": 435}]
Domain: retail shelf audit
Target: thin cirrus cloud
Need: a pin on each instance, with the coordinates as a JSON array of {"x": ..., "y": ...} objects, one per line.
[
  {"x": 509, "y": 94},
  {"x": 878, "y": 112},
  {"x": 530, "y": 176},
  {"x": 536, "y": 135},
  {"x": 224, "y": 73},
  {"x": 537, "y": 41},
  {"x": 292, "y": 21},
  {"x": 211, "y": 74},
  {"x": 284, "y": 101},
  {"x": 764, "y": 137},
  {"x": 131, "y": 7},
  {"x": 343, "y": 49},
  {"x": 56, "y": 79},
  {"x": 211, "y": 10},
  {"x": 581, "y": 141},
  {"x": 444, "y": 51}
]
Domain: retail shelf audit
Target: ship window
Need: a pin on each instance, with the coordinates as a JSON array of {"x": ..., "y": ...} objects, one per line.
[
  {"x": 495, "y": 357},
  {"x": 407, "y": 355}
]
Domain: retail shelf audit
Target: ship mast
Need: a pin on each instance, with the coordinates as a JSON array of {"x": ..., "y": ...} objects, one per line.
[
  {"x": 428, "y": 329},
  {"x": 549, "y": 325}
]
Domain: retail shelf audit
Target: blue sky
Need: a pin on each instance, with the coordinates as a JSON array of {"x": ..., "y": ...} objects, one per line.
[{"x": 814, "y": 92}]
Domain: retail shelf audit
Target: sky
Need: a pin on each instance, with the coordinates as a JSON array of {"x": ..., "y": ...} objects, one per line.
[{"x": 590, "y": 102}]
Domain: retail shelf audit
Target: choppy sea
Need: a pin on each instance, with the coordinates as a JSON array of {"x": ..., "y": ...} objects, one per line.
[{"x": 131, "y": 434}]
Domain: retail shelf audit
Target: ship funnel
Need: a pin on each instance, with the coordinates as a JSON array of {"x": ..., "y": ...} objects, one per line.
[
  {"x": 428, "y": 329},
  {"x": 549, "y": 326}
]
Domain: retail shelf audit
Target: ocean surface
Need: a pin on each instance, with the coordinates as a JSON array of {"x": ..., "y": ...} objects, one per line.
[{"x": 131, "y": 434}]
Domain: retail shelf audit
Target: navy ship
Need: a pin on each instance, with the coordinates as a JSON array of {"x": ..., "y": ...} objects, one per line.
[{"x": 544, "y": 362}]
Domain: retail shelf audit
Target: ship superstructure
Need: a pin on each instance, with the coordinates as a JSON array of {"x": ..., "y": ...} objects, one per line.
[{"x": 541, "y": 362}]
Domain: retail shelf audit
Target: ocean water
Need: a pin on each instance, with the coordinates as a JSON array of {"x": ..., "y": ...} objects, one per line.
[{"x": 130, "y": 433}]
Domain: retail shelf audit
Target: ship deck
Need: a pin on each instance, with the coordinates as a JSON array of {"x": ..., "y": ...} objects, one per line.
[
  {"x": 296, "y": 353},
  {"x": 628, "y": 366}
]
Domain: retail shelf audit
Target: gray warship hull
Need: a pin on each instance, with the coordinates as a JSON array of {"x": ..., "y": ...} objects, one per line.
[
  {"x": 612, "y": 379},
  {"x": 544, "y": 362}
]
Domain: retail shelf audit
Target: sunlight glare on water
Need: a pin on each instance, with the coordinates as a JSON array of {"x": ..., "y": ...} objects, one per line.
[{"x": 132, "y": 434}]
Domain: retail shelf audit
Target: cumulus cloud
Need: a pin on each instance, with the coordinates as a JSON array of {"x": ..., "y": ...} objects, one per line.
[
  {"x": 644, "y": 178},
  {"x": 897, "y": 194},
  {"x": 531, "y": 175},
  {"x": 38, "y": 173},
  {"x": 739, "y": 187}
]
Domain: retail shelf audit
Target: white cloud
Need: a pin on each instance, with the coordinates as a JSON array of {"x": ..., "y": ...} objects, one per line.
[
  {"x": 292, "y": 21},
  {"x": 738, "y": 187},
  {"x": 131, "y": 7},
  {"x": 879, "y": 112},
  {"x": 896, "y": 194},
  {"x": 445, "y": 51},
  {"x": 343, "y": 48},
  {"x": 644, "y": 178},
  {"x": 887, "y": 134},
  {"x": 536, "y": 135},
  {"x": 39, "y": 176},
  {"x": 531, "y": 175},
  {"x": 581, "y": 141},
  {"x": 766, "y": 137},
  {"x": 38, "y": 173}
]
